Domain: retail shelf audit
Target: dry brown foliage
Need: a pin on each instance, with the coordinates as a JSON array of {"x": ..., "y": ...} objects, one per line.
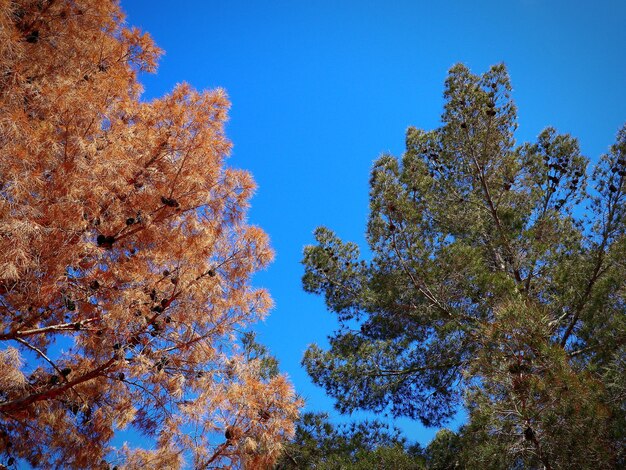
[{"x": 125, "y": 257}]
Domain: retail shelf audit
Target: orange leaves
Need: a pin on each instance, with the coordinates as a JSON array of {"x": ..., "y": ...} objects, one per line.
[
  {"x": 100, "y": 194},
  {"x": 257, "y": 414},
  {"x": 142, "y": 51},
  {"x": 10, "y": 374}
]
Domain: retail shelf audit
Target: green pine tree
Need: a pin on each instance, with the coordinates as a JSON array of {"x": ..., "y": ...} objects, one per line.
[{"x": 497, "y": 280}]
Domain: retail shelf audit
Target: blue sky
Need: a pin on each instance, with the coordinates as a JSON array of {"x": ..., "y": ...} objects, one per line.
[{"x": 319, "y": 89}]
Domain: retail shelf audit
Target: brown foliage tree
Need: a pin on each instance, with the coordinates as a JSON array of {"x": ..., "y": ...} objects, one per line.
[{"x": 125, "y": 257}]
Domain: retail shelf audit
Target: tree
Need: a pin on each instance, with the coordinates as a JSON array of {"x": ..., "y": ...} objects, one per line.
[
  {"x": 126, "y": 259},
  {"x": 357, "y": 446},
  {"x": 444, "y": 451},
  {"x": 497, "y": 277}
]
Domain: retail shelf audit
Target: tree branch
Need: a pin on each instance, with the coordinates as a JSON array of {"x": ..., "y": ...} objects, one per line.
[{"x": 22, "y": 403}]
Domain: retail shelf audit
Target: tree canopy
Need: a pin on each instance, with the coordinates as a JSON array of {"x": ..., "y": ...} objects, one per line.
[
  {"x": 125, "y": 258},
  {"x": 356, "y": 446},
  {"x": 496, "y": 279}
]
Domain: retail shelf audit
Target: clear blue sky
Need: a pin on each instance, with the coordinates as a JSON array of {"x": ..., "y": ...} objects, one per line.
[{"x": 320, "y": 88}]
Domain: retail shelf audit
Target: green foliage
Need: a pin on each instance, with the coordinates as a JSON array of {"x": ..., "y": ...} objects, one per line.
[
  {"x": 359, "y": 446},
  {"x": 256, "y": 351},
  {"x": 497, "y": 279},
  {"x": 444, "y": 451},
  {"x": 529, "y": 390}
]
